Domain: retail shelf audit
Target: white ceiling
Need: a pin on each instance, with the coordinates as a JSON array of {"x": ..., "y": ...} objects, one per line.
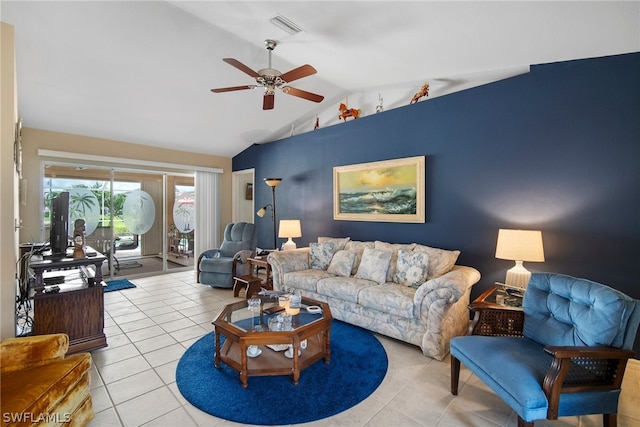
[{"x": 141, "y": 71}]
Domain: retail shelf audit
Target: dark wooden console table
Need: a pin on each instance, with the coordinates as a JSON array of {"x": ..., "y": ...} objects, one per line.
[{"x": 76, "y": 307}]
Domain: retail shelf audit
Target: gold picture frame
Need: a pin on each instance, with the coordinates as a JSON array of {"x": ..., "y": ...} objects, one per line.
[{"x": 384, "y": 191}]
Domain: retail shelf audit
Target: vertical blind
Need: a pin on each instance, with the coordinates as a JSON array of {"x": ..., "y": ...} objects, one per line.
[{"x": 207, "y": 211}]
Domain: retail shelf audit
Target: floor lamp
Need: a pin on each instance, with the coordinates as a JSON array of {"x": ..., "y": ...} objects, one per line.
[{"x": 273, "y": 183}]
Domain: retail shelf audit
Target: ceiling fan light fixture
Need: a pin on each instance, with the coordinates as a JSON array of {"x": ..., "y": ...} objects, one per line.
[
  {"x": 285, "y": 24},
  {"x": 272, "y": 79}
]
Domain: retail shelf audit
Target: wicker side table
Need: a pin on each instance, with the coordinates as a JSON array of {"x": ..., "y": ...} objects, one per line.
[{"x": 496, "y": 319}]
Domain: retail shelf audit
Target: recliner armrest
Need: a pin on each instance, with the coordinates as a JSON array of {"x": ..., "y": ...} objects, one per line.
[
  {"x": 209, "y": 253},
  {"x": 577, "y": 369},
  {"x": 241, "y": 256}
]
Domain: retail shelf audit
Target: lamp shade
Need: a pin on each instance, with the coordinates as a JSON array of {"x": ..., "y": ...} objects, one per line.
[
  {"x": 290, "y": 228},
  {"x": 272, "y": 182},
  {"x": 520, "y": 245}
]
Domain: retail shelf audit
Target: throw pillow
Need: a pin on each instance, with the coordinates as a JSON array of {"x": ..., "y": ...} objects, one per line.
[
  {"x": 441, "y": 261},
  {"x": 358, "y": 248},
  {"x": 412, "y": 268},
  {"x": 320, "y": 255},
  {"x": 374, "y": 265},
  {"x": 340, "y": 242},
  {"x": 342, "y": 263},
  {"x": 393, "y": 248}
]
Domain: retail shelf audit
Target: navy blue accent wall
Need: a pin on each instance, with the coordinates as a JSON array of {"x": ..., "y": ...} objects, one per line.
[{"x": 556, "y": 149}]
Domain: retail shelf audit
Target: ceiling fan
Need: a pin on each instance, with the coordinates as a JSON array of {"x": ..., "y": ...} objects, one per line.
[{"x": 271, "y": 79}]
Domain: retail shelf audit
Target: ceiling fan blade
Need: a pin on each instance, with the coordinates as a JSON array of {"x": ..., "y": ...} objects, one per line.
[
  {"x": 302, "y": 94},
  {"x": 229, "y": 89},
  {"x": 240, "y": 66},
  {"x": 268, "y": 101},
  {"x": 298, "y": 73}
]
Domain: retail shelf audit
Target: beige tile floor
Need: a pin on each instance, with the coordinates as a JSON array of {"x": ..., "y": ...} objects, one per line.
[{"x": 148, "y": 329}]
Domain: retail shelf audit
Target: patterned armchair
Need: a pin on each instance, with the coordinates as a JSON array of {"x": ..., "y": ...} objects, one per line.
[
  {"x": 217, "y": 267},
  {"x": 568, "y": 359}
]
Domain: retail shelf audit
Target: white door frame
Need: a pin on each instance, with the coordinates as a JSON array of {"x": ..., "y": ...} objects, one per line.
[{"x": 241, "y": 208}]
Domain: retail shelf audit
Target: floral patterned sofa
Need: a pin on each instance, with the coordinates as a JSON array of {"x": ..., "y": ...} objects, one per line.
[{"x": 410, "y": 292}]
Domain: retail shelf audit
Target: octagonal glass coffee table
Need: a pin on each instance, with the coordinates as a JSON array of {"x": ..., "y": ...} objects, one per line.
[{"x": 279, "y": 352}]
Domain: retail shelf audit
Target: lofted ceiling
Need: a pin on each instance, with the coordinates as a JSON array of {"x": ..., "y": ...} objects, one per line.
[{"x": 141, "y": 71}]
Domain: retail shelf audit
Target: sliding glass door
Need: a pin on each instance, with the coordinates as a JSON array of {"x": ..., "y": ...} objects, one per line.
[{"x": 142, "y": 220}]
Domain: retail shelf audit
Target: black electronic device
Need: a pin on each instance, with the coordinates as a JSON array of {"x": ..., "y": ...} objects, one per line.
[
  {"x": 54, "y": 280},
  {"x": 59, "y": 231},
  {"x": 273, "y": 309}
]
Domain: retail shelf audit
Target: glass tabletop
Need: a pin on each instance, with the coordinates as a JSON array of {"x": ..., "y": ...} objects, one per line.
[{"x": 268, "y": 315}]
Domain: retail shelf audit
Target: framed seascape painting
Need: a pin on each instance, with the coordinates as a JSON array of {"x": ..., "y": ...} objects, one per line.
[{"x": 385, "y": 191}]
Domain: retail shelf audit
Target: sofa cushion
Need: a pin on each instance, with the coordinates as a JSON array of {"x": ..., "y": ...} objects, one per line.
[
  {"x": 343, "y": 288},
  {"x": 320, "y": 254},
  {"x": 358, "y": 247},
  {"x": 340, "y": 242},
  {"x": 412, "y": 268},
  {"x": 374, "y": 265},
  {"x": 393, "y": 248},
  {"x": 342, "y": 263},
  {"x": 441, "y": 261},
  {"x": 390, "y": 298},
  {"x": 304, "y": 279}
]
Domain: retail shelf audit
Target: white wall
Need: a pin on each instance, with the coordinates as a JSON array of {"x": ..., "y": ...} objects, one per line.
[{"x": 8, "y": 182}]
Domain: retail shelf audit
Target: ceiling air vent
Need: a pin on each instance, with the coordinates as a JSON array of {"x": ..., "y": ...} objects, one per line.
[{"x": 285, "y": 24}]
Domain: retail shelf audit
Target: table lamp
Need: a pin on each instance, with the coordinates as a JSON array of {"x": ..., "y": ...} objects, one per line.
[
  {"x": 289, "y": 228},
  {"x": 519, "y": 246}
]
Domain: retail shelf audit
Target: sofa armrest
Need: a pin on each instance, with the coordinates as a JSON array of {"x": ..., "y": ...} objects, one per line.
[
  {"x": 21, "y": 353},
  {"x": 285, "y": 261},
  {"x": 448, "y": 288}
]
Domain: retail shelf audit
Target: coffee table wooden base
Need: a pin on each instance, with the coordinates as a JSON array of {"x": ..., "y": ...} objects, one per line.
[{"x": 270, "y": 362}]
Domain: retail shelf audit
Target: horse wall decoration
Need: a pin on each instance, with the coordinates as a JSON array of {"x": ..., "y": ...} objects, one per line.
[
  {"x": 348, "y": 112},
  {"x": 424, "y": 91}
]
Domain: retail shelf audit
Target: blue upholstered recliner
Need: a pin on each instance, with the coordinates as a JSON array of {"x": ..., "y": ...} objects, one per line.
[
  {"x": 568, "y": 358},
  {"x": 217, "y": 267}
]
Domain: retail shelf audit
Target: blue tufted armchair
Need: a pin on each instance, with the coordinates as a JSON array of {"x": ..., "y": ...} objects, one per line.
[
  {"x": 567, "y": 359},
  {"x": 217, "y": 267}
]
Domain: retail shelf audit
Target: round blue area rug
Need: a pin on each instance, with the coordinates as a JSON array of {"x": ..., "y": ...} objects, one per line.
[{"x": 357, "y": 367}]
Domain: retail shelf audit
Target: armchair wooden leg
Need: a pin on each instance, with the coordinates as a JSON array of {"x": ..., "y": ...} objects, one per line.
[
  {"x": 609, "y": 420},
  {"x": 523, "y": 423},
  {"x": 455, "y": 375},
  {"x": 198, "y": 268}
]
